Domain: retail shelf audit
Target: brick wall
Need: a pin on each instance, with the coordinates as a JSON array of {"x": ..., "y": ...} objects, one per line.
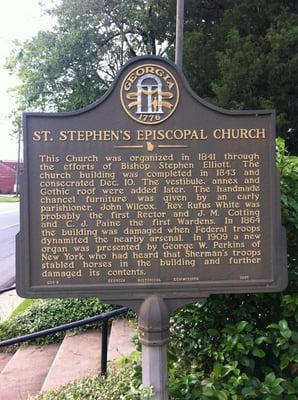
[{"x": 7, "y": 178}]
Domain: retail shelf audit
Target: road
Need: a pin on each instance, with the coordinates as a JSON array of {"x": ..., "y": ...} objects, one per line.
[{"x": 9, "y": 227}]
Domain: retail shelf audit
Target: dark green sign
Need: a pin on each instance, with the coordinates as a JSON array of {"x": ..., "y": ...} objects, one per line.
[{"x": 150, "y": 190}]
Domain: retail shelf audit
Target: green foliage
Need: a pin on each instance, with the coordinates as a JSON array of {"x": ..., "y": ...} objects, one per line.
[
  {"x": 242, "y": 55},
  {"x": 200, "y": 65},
  {"x": 73, "y": 65},
  {"x": 242, "y": 67},
  {"x": 288, "y": 167},
  {"x": 120, "y": 384},
  {"x": 214, "y": 356},
  {"x": 261, "y": 71},
  {"x": 44, "y": 314}
]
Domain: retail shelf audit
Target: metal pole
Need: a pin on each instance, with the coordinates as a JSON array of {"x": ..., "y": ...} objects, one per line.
[
  {"x": 179, "y": 33},
  {"x": 154, "y": 336},
  {"x": 18, "y": 166},
  {"x": 104, "y": 347}
]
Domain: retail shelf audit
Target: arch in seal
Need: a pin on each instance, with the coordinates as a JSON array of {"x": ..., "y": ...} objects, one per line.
[{"x": 154, "y": 106}]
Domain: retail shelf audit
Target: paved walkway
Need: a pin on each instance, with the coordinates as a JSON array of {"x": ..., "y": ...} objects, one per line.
[{"x": 8, "y": 302}]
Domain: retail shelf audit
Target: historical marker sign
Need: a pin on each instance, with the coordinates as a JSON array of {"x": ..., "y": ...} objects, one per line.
[{"x": 150, "y": 190}]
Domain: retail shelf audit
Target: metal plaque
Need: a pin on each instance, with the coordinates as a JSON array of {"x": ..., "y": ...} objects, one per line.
[{"x": 150, "y": 191}]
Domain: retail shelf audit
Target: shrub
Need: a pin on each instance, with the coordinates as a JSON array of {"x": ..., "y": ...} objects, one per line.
[
  {"x": 44, "y": 314},
  {"x": 288, "y": 167},
  {"x": 121, "y": 384}
]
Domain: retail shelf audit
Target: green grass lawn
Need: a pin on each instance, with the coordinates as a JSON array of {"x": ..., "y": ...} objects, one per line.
[
  {"x": 8, "y": 199},
  {"x": 22, "y": 307}
]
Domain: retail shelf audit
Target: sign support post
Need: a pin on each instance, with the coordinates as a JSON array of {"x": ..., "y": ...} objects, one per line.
[
  {"x": 154, "y": 337},
  {"x": 179, "y": 33}
]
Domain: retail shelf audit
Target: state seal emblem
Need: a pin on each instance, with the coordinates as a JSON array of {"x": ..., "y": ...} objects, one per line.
[{"x": 149, "y": 94}]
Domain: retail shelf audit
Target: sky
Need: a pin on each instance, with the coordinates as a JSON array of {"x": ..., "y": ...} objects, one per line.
[{"x": 19, "y": 20}]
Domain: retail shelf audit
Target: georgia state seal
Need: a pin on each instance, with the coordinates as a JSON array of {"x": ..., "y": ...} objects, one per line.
[{"x": 149, "y": 94}]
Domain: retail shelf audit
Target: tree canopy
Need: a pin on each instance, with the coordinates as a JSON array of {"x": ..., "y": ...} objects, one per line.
[
  {"x": 237, "y": 54},
  {"x": 72, "y": 65}
]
